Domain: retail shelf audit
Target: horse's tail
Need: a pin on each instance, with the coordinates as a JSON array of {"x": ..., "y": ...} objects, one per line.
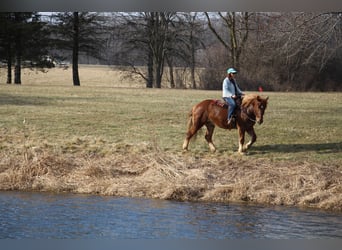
[
  {"x": 190, "y": 120},
  {"x": 191, "y": 123}
]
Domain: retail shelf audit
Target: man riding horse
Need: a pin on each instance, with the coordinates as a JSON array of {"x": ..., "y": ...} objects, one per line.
[{"x": 230, "y": 94}]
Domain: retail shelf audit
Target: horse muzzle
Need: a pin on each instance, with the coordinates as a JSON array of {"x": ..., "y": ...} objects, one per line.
[{"x": 259, "y": 121}]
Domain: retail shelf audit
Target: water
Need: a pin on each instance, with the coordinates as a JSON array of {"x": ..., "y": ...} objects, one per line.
[{"x": 46, "y": 216}]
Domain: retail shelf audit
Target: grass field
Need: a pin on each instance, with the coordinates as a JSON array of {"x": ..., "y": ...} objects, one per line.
[
  {"x": 127, "y": 141},
  {"x": 297, "y": 127}
]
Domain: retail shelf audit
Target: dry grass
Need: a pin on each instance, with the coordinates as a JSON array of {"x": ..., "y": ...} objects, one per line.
[
  {"x": 94, "y": 75},
  {"x": 98, "y": 139},
  {"x": 89, "y": 75},
  {"x": 156, "y": 174}
]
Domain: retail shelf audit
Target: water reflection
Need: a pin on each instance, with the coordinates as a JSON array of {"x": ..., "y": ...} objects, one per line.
[{"x": 41, "y": 216}]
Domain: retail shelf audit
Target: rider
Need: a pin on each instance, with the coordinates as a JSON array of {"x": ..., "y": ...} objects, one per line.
[{"x": 230, "y": 92}]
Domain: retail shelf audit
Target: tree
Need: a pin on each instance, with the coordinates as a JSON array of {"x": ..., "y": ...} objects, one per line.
[
  {"x": 237, "y": 31},
  {"x": 158, "y": 34},
  {"x": 75, "y": 48},
  {"x": 23, "y": 36},
  {"x": 7, "y": 41},
  {"x": 185, "y": 40},
  {"x": 310, "y": 42},
  {"x": 295, "y": 51},
  {"x": 194, "y": 43},
  {"x": 79, "y": 32},
  {"x": 282, "y": 51},
  {"x": 145, "y": 37}
]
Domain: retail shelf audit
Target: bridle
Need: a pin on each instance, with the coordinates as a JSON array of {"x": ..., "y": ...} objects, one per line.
[{"x": 245, "y": 111}]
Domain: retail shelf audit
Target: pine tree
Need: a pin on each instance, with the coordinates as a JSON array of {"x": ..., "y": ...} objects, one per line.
[
  {"x": 23, "y": 37},
  {"x": 79, "y": 32}
]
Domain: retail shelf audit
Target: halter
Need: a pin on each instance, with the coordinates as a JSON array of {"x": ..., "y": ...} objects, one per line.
[{"x": 251, "y": 119}]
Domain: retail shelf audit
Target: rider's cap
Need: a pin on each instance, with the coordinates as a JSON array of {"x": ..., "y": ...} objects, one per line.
[{"x": 231, "y": 71}]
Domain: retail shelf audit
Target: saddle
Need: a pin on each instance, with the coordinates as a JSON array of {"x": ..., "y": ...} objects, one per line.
[{"x": 223, "y": 104}]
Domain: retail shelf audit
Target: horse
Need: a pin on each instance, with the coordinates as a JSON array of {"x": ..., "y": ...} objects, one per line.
[{"x": 213, "y": 113}]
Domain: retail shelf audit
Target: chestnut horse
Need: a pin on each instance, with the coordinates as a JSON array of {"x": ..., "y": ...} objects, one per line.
[{"x": 210, "y": 113}]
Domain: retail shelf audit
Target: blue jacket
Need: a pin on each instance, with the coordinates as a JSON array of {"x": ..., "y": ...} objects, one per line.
[{"x": 228, "y": 88}]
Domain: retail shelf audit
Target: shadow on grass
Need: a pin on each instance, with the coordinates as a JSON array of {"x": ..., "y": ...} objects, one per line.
[
  {"x": 6, "y": 99},
  {"x": 321, "y": 148}
]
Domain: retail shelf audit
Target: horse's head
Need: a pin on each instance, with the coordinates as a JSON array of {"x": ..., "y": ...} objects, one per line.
[
  {"x": 255, "y": 105},
  {"x": 259, "y": 107}
]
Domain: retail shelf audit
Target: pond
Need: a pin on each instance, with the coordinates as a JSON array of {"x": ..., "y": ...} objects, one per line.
[{"x": 69, "y": 216}]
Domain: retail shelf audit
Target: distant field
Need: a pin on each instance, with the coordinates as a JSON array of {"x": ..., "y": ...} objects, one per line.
[
  {"x": 91, "y": 75},
  {"x": 127, "y": 141}
]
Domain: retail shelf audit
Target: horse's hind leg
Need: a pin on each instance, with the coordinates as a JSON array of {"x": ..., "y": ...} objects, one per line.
[
  {"x": 189, "y": 134},
  {"x": 209, "y": 136},
  {"x": 193, "y": 126}
]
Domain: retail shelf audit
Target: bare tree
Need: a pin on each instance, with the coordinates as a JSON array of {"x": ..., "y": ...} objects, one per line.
[
  {"x": 187, "y": 40},
  {"x": 237, "y": 31},
  {"x": 299, "y": 46},
  {"x": 146, "y": 34},
  {"x": 313, "y": 39}
]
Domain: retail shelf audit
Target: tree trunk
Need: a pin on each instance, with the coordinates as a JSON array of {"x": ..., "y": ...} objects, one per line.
[
  {"x": 9, "y": 65},
  {"x": 193, "y": 81},
  {"x": 192, "y": 62},
  {"x": 158, "y": 71},
  {"x": 17, "y": 67},
  {"x": 75, "y": 75},
  {"x": 158, "y": 76},
  {"x": 233, "y": 40},
  {"x": 149, "y": 83},
  {"x": 170, "y": 64}
]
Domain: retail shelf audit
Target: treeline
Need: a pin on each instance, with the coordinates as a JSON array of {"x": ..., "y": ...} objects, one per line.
[
  {"x": 29, "y": 39},
  {"x": 278, "y": 51}
]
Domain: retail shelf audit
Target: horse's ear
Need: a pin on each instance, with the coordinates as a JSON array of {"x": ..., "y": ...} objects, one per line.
[{"x": 266, "y": 98}]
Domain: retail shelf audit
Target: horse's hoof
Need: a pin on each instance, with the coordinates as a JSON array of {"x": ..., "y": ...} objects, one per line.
[{"x": 213, "y": 150}]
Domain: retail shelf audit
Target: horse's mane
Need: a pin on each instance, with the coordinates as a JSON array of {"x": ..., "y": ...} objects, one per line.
[{"x": 248, "y": 99}]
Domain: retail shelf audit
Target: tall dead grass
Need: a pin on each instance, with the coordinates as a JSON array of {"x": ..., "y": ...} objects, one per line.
[{"x": 183, "y": 177}]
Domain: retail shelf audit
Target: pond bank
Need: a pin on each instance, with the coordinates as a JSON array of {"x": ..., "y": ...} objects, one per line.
[{"x": 183, "y": 177}]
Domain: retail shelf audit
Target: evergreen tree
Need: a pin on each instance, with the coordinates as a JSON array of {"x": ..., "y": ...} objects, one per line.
[
  {"x": 79, "y": 32},
  {"x": 7, "y": 41},
  {"x": 23, "y": 37}
]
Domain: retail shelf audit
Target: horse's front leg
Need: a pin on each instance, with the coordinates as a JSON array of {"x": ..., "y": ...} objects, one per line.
[
  {"x": 241, "y": 139},
  {"x": 253, "y": 136}
]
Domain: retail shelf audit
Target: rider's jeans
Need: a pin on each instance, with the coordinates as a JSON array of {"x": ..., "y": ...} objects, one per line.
[{"x": 230, "y": 101}]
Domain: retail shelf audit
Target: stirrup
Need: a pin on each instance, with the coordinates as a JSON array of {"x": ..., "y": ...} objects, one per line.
[{"x": 231, "y": 123}]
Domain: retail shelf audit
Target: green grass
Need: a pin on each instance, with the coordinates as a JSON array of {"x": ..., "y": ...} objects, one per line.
[{"x": 297, "y": 126}]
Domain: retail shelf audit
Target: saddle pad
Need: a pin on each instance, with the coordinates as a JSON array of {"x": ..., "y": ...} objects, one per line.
[{"x": 220, "y": 103}]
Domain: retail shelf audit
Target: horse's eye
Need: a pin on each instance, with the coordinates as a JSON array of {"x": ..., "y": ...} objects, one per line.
[{"x": 261, "y": 106}]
